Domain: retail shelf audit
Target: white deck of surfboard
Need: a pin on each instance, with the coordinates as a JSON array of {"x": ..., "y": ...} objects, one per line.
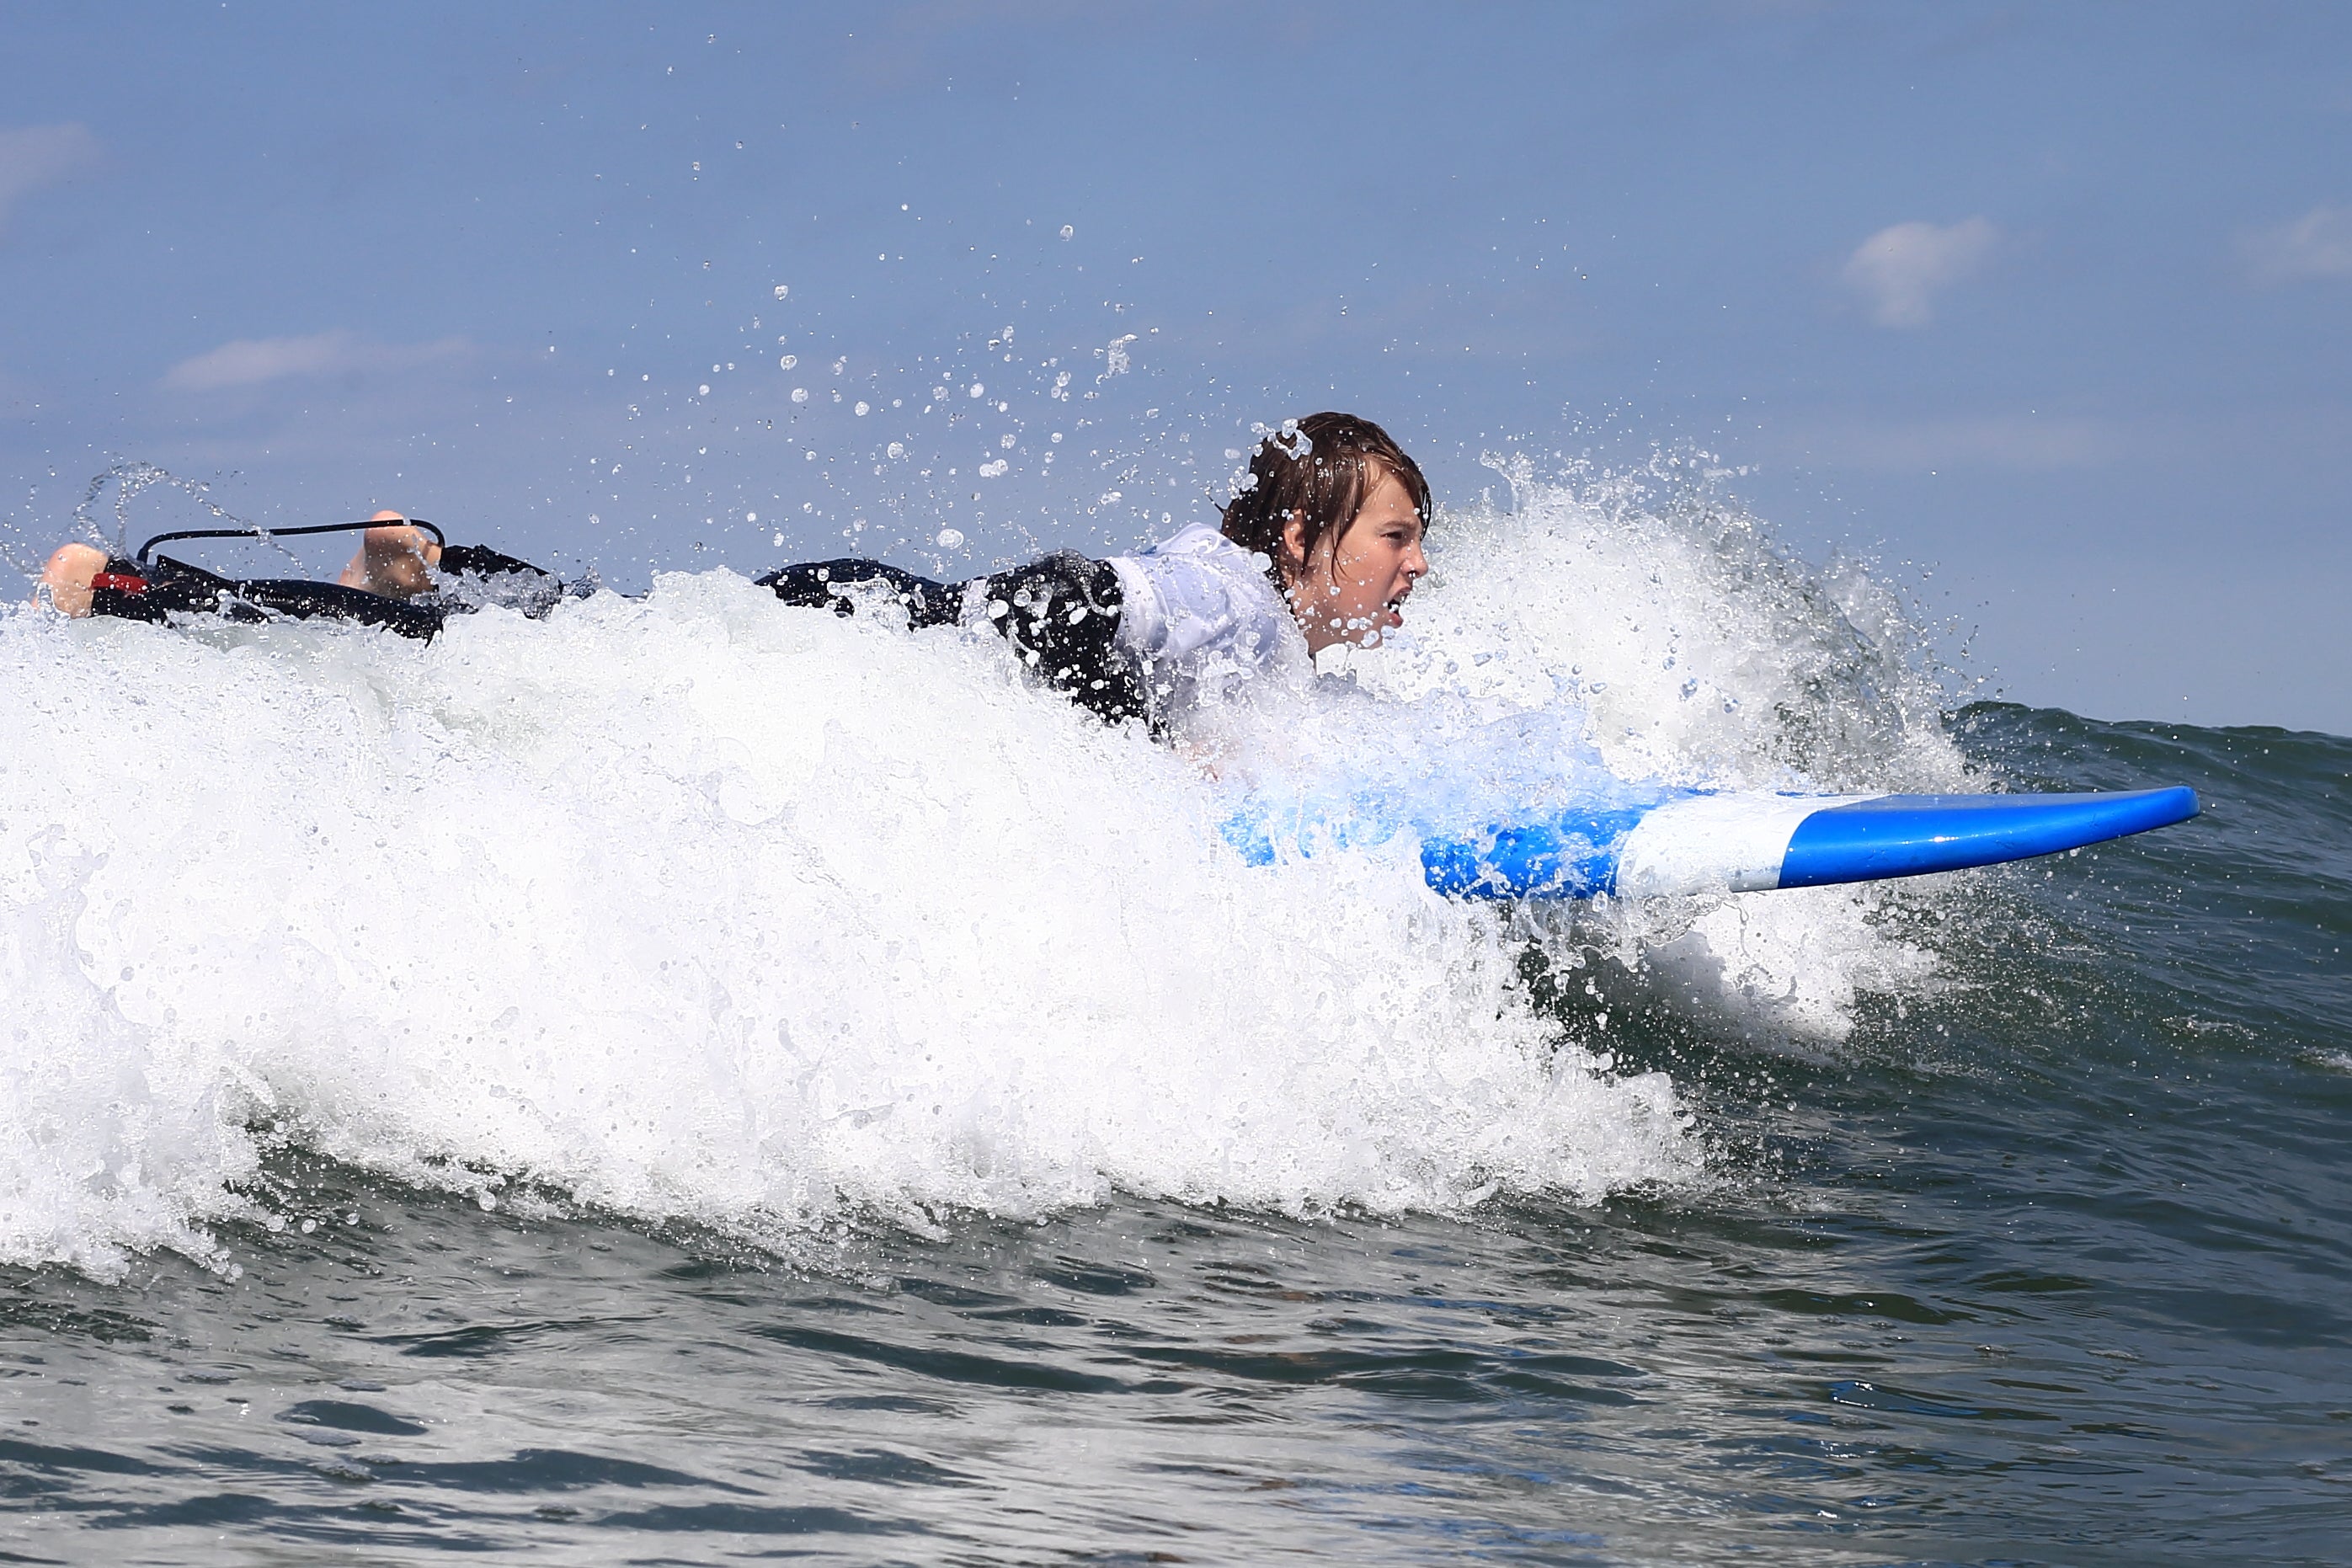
[{"x": 1716, "y": 843}]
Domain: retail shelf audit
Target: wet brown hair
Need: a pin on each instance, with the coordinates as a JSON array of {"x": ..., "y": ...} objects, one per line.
[{"x": 1322, "y": 469}]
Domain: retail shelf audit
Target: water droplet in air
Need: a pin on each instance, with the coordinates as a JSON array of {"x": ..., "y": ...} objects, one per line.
[
  {"x": 703, "y": 390},
  {"x": 951, "y": 539},
  {"x": 789, "y": 361},
  {"x": 1067, "y": 230},
  {"x": 864, "y": 408},
  {"x": 800, "y": 395},
  {"x": 783, "y": 289}
]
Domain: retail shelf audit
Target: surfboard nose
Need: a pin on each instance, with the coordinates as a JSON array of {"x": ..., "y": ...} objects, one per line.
[{"x": 1909, "y": 835}]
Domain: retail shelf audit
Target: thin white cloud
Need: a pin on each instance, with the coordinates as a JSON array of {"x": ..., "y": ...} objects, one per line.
[
  {"x": 1900, "y": 269},
  {"x": 2316, "y": 245},
  {"x": 36, "y": 155},
  {"x": 251, "y": 362}
]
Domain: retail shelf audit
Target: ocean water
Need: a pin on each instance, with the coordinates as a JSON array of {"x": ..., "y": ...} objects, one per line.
[{"x": 688, "y": 1081}]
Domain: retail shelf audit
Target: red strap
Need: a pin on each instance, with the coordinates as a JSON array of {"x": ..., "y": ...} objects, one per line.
[{"x": 120, "y": 582}]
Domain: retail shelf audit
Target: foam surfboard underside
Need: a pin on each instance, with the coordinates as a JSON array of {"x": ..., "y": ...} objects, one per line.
[{"x": 1748, "y": 843}]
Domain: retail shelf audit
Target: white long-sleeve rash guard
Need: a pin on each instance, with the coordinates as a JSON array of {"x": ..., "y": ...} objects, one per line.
[{"x": 1202, "y": 618}]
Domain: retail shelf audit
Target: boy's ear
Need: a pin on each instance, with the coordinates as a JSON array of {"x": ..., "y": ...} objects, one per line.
[{"x": 1294, "y": 544}]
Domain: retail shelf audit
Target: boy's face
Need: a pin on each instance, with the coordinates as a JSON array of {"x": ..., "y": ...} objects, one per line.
[{"x": 1353, "y": 587}]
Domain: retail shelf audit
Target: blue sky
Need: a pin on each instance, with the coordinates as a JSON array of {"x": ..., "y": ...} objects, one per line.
[{"x": 2052, "y": 300}]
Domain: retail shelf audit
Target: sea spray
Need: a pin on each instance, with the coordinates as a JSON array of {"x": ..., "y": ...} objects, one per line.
[
  {"x": 691, "y": 906},
  {"x": 110, "y": 1141},
  {"x": 1700, "y": 653}
]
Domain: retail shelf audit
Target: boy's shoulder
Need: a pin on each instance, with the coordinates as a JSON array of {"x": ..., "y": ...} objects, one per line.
[{"x": 1201, "y": 539}]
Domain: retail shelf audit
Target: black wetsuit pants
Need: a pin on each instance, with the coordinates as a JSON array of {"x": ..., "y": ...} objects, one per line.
[
  {"x": 1059, "y": 615},
  {"x": 152, "y": 590}
]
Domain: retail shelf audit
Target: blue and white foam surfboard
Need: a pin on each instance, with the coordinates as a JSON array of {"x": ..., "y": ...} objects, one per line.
[{"x": 1698, "y": 843}]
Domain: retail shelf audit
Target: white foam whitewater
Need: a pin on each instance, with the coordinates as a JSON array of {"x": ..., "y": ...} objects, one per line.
[
  {"x": 694, "y": 906},
  {"x": 1698, "y": 653}
]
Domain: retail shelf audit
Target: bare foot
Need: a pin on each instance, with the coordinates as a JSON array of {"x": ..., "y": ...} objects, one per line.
[
  {"x": 67, "y": 576},
  {"x": 393, "y": 561}
]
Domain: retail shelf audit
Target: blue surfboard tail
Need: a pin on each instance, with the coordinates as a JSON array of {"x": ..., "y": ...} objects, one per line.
[{"x": 1912, "y": 835}]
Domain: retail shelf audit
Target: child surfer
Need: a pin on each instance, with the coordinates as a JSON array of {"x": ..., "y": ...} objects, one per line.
[{"x": 1321, "y": 546}]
